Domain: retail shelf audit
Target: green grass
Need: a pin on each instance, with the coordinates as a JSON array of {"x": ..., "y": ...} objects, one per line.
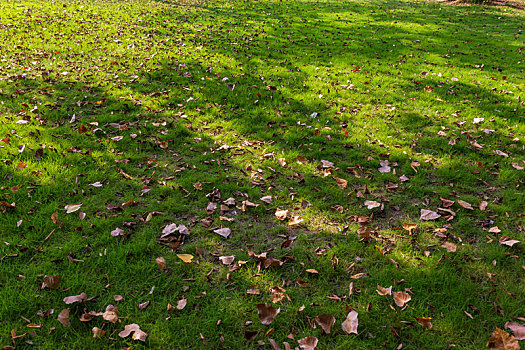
[{"x": 344, "y": 81}]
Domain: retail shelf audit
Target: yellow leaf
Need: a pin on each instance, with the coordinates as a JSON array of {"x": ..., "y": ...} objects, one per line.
[{"x": 187, "y": 258}]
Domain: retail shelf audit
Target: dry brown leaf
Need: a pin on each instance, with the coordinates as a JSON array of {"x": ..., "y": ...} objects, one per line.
[
  {"x": 445, "y": 203},
  {"x": 211, "y": 208},
  {"x": 342, "y": 183},
  {"x": 267, "y": 313},
  {"x": 483, "y": 205},
  {"x": 118, "y": 298},
  {"x": 71, "y": 208},
  {"x": 51, "y": 282},
  {"x": 161, "y": 262},
  {"x": 424, "y": 321},
  {"x": 54, "y": 218},
  {"x": 75, "y": 298},
  {"x": 281, "y": 214},
  {"x": 312, "y": 271},
  {"x": 170, "y": 307},
  {"x": 351, "y": 323},
  {"x": 187, "y": 258},
  {"x": 517, "y": 329},
  {"x": 465, "y": 205},
  {"x": 181, "y": 304},
  {"x": 494, "y": 229},
  {"x": 267, "y": 199},
  {"x": 505, "y": 240},
  {"x": 429, "y": 215},
  {"x": 384, "y": 166},
  {"x": 253, "y": 291},
  {"x": 98, "y": 333},
  {"x": 372, "y": 204},
  {"x": 110, "y": 316},
  {"x": 118, "y": 232},
  {"x": 277, "y": 294},
  {"x": 326, "y": 321},
  {"x": 450, "y": 247},
  {"x": 308, "y": 343},
  {"x": 224, "y": 232},
  {"x": 501, "y": 340},
  {"x": 401, "y": 298},
  {"x": 302, "y": 160},
  {"x": 409, "y": 226},
  {"x": 63, "y": 317},
  {"x": 295, "y": 220},
  {"x": 384, "y": 291},
  {"x": 144, "y": 305},
  {"x": 135, "y": 329},
  {"x": 227, "y": 260}
]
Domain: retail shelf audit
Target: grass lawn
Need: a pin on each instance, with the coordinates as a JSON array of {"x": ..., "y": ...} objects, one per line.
[{"x": 316, "y": 135}]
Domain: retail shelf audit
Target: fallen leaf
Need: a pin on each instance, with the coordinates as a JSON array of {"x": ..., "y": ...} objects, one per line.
[
  {"x": 281, "y": 214},
  {"x": 494, "y": 229},
  {"x": 267, "y": 199},
  {"x": 227, "y": 260},
  {"x": 181, "y": 304},
  {"x": 342, "y": 183},
  {"x": 118, "y": 298},
  {"x": 384, "y": 166},
  {"x": 302, "y": 160},
  {"x": 308, "y": 343},
  {"x": 429, "y": 215},
  {"x": 211, "y": 208},
  {"x": 267, "y": 313},
  {"x": 483, "y": 205},
  {"x": 401, "y": 298},
  {"x": 144, "y": 305},
  {"x": 63, "y": 317},
  {"x": 51, "y": 282},
  {"x": 384, "y": 291},
  {"x": 326, "y": 321},
  {"x": 372, "y": 204},
  {"x": 501, "y": 340},
  {"x": 446, "y": 202},
  {"x": 505, "y": 240},
  {"x": 118, "y": 232},
  {"x": 311, "y": 271},
  {"x": 351, "y": 323},
  {"x": 424, "y": 321},
  {"x": 111, "y": 315},
  {"x": 277, "y": 294},
  {"x": 161, "y": 262},
  {"x": 135, "y": 329},
  {"x": 54, "y": 218},
  {"x": 295, "y": 220},
  {"x": 224, "y": 232},
  {"x": 75, "y": 298},
  {"x": 517, "y": 166},
  {"x": 517, "y": 329},
  {"x": 98, "y": 333},
  {"x": 71, "y": 208},
  {"x": 464, "y": 204},
  {"x": 500, "y": 153},
  {"x": 450, "y": 247},
  {"x": 187, "y": 258}
]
